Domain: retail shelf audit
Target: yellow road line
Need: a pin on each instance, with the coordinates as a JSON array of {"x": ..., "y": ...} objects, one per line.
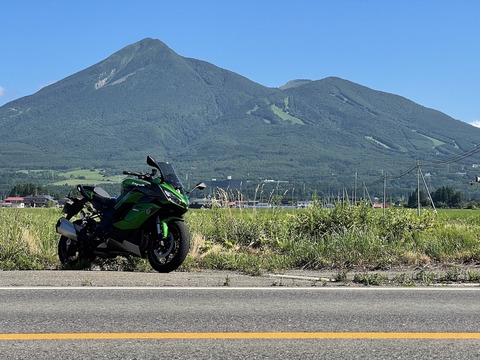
[{"x": 244, "y": 335}]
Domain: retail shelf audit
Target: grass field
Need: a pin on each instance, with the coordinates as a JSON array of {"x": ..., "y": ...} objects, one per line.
[
  {"x": 254, "y": 241},
  {"x": 85, "y": 176}
]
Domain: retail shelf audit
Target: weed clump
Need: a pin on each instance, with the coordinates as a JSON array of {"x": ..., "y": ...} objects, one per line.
[{"x": 341, "y": 238}]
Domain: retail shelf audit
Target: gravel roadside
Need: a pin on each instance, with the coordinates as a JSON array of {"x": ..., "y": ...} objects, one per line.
[
  {"x": 204, "y": 278},
  {"x": 210, "y": 278}
]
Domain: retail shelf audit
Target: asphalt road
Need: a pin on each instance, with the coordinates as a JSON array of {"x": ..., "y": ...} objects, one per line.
[{"x": 225, "y": 322}]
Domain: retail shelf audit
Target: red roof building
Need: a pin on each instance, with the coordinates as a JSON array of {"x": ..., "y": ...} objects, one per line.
[{"x": 14, "y": 200}]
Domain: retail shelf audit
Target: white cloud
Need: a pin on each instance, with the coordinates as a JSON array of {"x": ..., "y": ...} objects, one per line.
[
  {"x": 2, "y": 92},
  {"x": 475, "y": 123}
]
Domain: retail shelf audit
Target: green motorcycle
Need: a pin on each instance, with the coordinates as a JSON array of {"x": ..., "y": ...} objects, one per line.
[{"x": 145, "y": 221}]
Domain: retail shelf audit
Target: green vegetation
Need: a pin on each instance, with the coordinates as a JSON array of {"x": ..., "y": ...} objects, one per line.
[
  {"x": 435, "y": 142},
  {"x": 28, "y": 239},
  {"x": 27, "y": 189},
  {"x": 377, "y": 142},
  {"x": 361, "y": 237},
  {"x": 85, "y": 176},
  {"x": 351, "y": 240},
  {"x": 445, "y": 197},
  {"x": 286, "y": 116}
]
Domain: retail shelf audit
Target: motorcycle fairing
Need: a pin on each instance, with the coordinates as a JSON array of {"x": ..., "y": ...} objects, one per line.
[{"x": 137, "y": 216}]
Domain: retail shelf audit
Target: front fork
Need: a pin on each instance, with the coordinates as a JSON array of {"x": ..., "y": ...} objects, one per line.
[
  {"x": 162, "y": 229},
  {"x": 164, "y": 245}
]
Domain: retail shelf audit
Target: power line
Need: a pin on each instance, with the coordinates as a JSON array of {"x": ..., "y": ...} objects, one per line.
[
  {"x": 457, "y": 158},
  {"x": 403, "y": 174}
]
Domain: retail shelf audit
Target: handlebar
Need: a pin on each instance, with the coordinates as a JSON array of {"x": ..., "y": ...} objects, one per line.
[
  {"x": 132, "y": 173},
  {"x": 82, "y": 192},
  {"x": 142, "y": 176}
]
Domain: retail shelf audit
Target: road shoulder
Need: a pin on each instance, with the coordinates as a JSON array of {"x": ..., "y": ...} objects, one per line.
[{"x": 444, "y": 276}]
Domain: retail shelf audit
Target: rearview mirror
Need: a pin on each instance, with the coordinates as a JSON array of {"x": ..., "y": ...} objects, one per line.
[
  {"x": 151, "y": 161},
  {"x": 199, "y": 186}
]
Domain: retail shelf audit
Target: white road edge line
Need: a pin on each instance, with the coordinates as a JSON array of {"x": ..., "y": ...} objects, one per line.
[
  {"x": 228, "y": 288},
  {"x": 298, "y": 277}
]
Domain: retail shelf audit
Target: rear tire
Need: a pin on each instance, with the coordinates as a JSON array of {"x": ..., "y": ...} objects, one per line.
[
  {"x": 168, "y": 254},
  {"x": 72, "y": 255}
]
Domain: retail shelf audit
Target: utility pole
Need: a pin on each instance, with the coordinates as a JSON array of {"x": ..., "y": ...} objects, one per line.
[
  {"x": 418, "y": 188},
  {"x": 355, "y": 190},
  {"x": 384, "y": 191}
]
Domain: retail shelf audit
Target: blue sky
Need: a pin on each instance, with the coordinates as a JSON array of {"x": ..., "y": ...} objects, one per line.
[{"x": 425, "y": 50}]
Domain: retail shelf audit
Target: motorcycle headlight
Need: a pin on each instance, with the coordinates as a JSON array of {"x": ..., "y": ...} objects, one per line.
[{"x": 174, "y": 198}]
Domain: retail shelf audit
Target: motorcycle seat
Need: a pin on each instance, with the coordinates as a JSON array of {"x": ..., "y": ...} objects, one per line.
[{"x": 100, "y": 196}]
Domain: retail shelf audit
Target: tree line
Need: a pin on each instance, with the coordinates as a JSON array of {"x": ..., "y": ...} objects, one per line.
[{"x": 444, "y": 197}]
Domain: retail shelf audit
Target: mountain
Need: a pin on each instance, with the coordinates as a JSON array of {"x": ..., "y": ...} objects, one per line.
[
  {"x": 143, "y": 99},
  {"x": 147, "y": 99}
]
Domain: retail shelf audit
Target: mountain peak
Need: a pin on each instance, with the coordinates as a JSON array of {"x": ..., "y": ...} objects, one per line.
[
  {"x": 294, "y": 83},
  {"x": 149, "y": 42},
  {"x": 150, "y": 47}
]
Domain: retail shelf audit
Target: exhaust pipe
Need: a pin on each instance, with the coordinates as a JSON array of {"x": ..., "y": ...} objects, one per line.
[{"x": 66, "y": 228}]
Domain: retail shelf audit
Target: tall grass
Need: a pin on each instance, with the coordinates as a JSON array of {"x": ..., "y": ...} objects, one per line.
[
  {"x": 330, "y": 238},
  {"x": 256, "y": 240},
  {"x": 28, "y": 239}
]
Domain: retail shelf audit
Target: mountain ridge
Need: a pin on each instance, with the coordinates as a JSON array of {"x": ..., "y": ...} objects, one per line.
[{"x": 147, "y": 99}]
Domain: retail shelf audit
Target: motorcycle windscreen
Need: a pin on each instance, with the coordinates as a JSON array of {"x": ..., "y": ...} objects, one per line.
[{"x": 170, "y": 177}]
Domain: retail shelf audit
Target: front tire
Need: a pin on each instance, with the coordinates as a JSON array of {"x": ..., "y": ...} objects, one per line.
[{"x": 166, "y": 255}]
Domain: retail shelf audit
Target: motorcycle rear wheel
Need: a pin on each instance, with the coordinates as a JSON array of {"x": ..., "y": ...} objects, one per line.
[
  {"x": 71, "y": 254},
  {"x": 168, "y": 254}
]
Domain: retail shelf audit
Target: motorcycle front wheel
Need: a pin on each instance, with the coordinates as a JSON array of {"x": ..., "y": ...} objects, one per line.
[{"x": 167, "y": 254}]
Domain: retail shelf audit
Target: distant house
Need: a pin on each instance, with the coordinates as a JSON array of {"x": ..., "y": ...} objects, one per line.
[
  {"x": 304, "y": 204},
  {"x": 200, "y": 203},
  {"x": 40, "y": 201},
  {"x": 13, "y": 201},
  {"x": 380, "y": 205}
]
